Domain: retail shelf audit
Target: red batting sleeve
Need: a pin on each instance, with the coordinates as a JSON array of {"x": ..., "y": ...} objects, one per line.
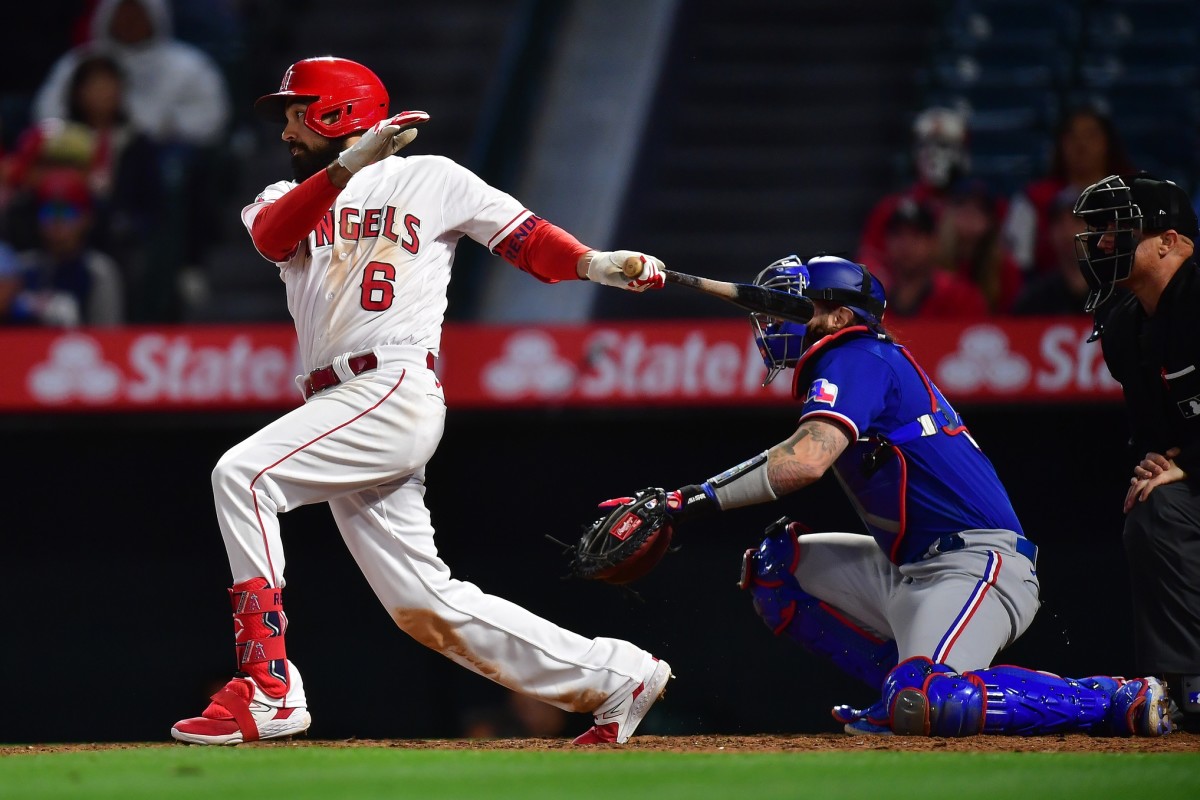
[
  {"x": 545, "y": 251},
  {"x": 281, "y": 225}
]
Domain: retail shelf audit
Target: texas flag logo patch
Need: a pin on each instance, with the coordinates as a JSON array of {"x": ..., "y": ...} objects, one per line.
[{"x": 822, "y": 391}]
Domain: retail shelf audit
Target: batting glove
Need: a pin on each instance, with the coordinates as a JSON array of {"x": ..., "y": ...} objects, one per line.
[
  {"x": 383, "y": 139},
  {"x": 608, "y": 267}
]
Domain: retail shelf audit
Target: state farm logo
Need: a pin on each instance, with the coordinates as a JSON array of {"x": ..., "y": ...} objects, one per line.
[
  {"x": 75, "y": 369},
  {"x": 628, "y": 364},
  {"x": 983, "y": 361},
  {"x": 530, "y": 364},
  {"x": 155, "y": 369}
]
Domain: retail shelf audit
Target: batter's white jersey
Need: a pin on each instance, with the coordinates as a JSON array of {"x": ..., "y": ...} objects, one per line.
[
  {"x": 373, "y": 276},
  {"x": 376, "y": 269}
]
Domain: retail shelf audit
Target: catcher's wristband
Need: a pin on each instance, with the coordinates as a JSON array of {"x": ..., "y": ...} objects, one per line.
[{"x": 695, "y": 502}]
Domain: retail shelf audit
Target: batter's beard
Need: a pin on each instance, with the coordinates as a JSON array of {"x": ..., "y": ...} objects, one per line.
[{"x": 309, "y": 161}]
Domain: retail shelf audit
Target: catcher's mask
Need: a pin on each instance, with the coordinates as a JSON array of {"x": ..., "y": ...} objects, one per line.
[
  {"x": 780, "y": 342},
  {"x": 1119, "y": 211},
  {"x": 343, "y": 96}
]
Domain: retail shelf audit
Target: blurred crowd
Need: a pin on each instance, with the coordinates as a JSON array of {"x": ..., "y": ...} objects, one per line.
[
  {"x": 950, "y": 246},
  {"x": 108, "y": 196}
]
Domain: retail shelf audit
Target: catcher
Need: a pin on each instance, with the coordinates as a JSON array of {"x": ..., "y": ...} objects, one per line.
[{"x": 918, "y": 609}]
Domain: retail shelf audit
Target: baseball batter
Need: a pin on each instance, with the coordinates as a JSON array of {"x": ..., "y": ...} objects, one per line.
[
  {"x": 947, "y": 578},
  {"x": 364, "y": 244}
]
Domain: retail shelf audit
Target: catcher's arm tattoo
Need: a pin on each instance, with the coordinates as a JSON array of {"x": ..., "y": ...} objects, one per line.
[{"x": 806, "y": 455}]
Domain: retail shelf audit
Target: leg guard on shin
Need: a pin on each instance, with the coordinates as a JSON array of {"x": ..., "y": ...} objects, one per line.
[
  {"x": 259, "y": 625},
  {"x": 769, "y": 574},
  {"x": 1028, "y": 703},
  {"x": 928, "y": 699}
]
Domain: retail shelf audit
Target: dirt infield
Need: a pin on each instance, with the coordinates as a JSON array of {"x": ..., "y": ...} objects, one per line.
[{"x": 1075, "y": 743}]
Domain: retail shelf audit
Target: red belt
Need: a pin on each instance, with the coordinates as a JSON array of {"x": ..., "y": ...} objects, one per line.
[{"x": 321, "y": 379}]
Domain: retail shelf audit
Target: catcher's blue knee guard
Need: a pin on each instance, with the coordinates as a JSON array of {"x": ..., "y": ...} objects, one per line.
[
  {"x": 769, "y": 574},
  {"x": 927, "y": 699}
]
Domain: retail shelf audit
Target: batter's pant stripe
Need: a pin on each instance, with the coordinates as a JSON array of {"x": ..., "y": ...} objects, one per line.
[
  {"x": 262, "y": 529},
  {"x": 990, "y": 573}
]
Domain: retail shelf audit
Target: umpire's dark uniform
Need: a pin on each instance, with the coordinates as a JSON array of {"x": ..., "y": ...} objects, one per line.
[{"x": 1157, "y": 361}]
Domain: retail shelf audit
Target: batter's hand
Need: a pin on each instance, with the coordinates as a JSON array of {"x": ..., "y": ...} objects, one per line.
[
  {"x": 1151, "y": 472},
  {"x": 383, "y": 139},
  {"x": 608, "y": 267}
]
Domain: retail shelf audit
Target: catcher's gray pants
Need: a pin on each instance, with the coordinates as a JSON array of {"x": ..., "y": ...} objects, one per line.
[{"x": 958, "y": 608}]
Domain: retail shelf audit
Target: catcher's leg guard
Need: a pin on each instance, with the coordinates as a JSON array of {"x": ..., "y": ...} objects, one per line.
[
  {"x": 259, "y": 625},
  {"x": 769, "y": 574},
  {"x": 928, "y": 699},
  {"x": 1026, "y": 702}
]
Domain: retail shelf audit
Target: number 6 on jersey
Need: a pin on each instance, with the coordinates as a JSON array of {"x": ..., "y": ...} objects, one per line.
[{"x": 378, "y": 291}]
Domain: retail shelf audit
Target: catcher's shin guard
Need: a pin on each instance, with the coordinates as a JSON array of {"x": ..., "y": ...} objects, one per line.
[
  {"x": 769, "y": 574},
  {"x": 929, "y": 699},
  {"x": 259, "y": 625}
]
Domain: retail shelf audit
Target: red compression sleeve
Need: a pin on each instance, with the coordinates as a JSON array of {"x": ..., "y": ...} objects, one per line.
[
  {"x": 280, "y": 226},
  {"x": 545, "y": 251}
]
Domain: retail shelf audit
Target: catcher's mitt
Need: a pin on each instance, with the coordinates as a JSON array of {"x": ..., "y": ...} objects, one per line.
[{"x": 627, "y": 543}]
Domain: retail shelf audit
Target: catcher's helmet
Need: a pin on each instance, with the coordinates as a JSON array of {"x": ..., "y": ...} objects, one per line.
[
  {"x": 844, "y": 283},
  {"x": 780, "y": 342},
  {"x": 1118, "y": 211},
  {"x": 330, "y": 85}
]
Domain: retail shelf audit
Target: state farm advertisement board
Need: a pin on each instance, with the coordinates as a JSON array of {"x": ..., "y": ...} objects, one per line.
[{"x": 703, "y": 363}]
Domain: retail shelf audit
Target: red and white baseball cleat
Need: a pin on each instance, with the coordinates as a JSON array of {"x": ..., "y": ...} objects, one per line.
[
  {"x": 617, "y": 722},
  {"x": 234, "y": 717}
]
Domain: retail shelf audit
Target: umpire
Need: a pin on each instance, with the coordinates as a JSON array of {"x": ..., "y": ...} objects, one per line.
[{"x": 1138, "y": 256}]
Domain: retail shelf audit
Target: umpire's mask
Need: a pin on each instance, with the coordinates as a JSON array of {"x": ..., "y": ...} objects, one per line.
[{"x": 1114, "y": 228}]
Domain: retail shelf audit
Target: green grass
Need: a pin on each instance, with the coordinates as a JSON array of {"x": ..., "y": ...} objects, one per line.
[{"x": 314, "y": 772}]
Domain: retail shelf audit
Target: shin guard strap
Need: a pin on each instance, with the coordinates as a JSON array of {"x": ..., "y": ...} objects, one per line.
[
  {"x": 249, "y": 597},
  {"x": 256, "y": 651},
  {"x": 239, "y": 707}
]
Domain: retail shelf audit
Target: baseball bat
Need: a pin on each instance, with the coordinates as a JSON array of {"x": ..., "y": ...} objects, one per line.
[{"x": 744, "y": 295}]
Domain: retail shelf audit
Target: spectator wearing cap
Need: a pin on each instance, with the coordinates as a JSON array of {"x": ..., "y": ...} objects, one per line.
[
  {"x": 1086, "y": 149},
  {"x": 939, "y": 158},
  {"x": 919, "y": 286},
  {"x": 971, "y": 245},
  {"x": 1058, "y": 288},
  {"x": 65, "y": 283}
]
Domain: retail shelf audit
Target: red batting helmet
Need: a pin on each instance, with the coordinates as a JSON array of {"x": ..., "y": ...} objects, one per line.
[{"x": 330, "y": 86}]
